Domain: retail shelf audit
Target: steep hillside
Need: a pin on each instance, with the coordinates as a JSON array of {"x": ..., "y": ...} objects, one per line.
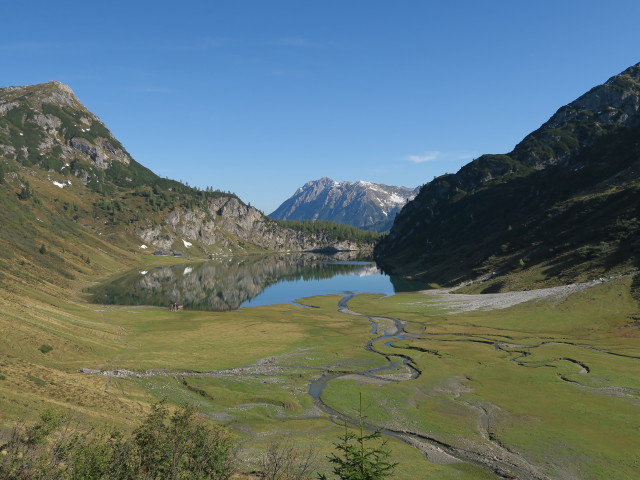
[
  {"x": 562, "y": 206},
  {"x": 63, "y": 171},
  {"x": 366, "y": 205},
  {"x": 76, "y": 208}
]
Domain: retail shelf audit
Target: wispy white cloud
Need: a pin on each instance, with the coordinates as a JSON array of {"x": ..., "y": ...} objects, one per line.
[{"x": 425, "y": 157}]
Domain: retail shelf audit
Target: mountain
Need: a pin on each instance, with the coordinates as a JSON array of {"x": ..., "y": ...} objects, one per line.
[
  {"x": 74, "y": 200},
  {"x": 366, "y": 205},
  {"x": 562, "y": 206}
]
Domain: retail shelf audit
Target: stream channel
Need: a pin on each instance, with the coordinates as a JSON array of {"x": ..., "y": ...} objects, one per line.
[{"x": 230, "y": 283}]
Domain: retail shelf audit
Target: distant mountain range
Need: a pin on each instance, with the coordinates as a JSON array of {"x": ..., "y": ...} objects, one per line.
[
  {"x": 365, "y": 205},
  {"x": 564, "y": 205}
]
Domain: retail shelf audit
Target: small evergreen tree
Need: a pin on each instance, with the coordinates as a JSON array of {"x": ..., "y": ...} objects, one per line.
[
  {"x": 356, "y": 460},
  {"x": 26, "y": 193}
]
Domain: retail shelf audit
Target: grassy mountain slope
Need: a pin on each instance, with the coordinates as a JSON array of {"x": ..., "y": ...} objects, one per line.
[
  {"x": 563, "y": 206},
  {"x": 75, "y": 208}
]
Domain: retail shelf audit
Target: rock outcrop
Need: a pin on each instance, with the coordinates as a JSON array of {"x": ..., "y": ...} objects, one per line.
[{"x": 227, "y": 220}]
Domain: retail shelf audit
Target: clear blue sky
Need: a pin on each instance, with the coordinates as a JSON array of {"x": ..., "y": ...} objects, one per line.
[{"x": 258, "y": 97}]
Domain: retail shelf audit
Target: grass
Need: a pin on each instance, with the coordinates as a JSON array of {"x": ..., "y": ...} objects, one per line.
[
  {"x": 586, "y": 426},
  {"x": 305, "y": 340},
  {"x": 538, "y": 402}
]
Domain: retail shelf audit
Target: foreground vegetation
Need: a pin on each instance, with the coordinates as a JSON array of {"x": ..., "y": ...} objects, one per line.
[
  {"x": 163, "y": 446},
  {"x": 552, "y": 383},
  {"x": 167, "y": 446}
]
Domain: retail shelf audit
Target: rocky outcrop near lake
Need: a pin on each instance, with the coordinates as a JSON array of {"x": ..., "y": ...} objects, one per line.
[{"x": 226, "y": 222}]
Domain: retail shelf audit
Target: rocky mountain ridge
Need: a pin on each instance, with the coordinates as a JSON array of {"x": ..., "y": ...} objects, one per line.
[
  {"x": 63, "y": 173},
  {"x": 366, "y": 205},
  {"x": 562, "y": 204},
  {"x": 224, "y": 220}
]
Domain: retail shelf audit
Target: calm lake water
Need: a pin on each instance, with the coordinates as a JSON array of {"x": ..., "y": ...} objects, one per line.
[{"x": 229, "y": 283}]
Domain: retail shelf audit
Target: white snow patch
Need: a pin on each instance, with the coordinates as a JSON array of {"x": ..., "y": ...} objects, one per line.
[
  {"x": 58, "y": 184},
  {"x": 397, "y": 199},
  {"x": 143, "y": 272},
  {"x": 187, "y": 271},
  {"x": 186, "y": 244},
  {"x": 143, "y": 247},
  {"x": 21, "y": 134}
]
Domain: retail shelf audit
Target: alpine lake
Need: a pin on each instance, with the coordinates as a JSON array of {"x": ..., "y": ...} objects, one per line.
[
  {"x": 232, "y": 282},
  {"x": 300, "y": 347}
]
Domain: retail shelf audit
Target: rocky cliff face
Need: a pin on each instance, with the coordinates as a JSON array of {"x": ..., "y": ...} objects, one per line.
[
  {"x": 45, "y": 125},
  {"x": 366, "y": 205},
  {"x": 561, "y": 201},
  {"x": 226, "y": 223},
  {"x": 47, "y": 137}
]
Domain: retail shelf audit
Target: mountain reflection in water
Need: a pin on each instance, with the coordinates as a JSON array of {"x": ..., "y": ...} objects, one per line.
[{"x": 230, "y": 283}]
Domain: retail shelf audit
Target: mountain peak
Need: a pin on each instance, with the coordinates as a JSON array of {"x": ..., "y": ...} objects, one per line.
[
  {"x": 361, "y": 204},
  {"x": 61, "y": 86}
]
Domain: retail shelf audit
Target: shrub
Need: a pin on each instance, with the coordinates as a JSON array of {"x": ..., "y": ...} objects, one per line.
[{"x": 163, "y": 446}]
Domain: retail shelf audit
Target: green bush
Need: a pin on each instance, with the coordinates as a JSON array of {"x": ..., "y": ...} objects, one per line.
[{"x": 164, "y": 446}]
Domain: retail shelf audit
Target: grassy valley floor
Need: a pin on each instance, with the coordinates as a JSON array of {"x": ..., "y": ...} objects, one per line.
[{"x": 543, "y": 388}]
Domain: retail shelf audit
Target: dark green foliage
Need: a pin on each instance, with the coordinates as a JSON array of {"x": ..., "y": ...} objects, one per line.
[
  {"x": 23, "y": 132},
  {"x": 45, "y": 348},
  {"x": 42, "y": 249},
  {"x": 576, "y": 215},
  {"x": 52, "y": 163},
  {"x": 72, "y": 126},
  {"x": 336, "y": 231},
  {"x": 362, "y": 456},
  {"x": 356, "y": 461},
  {"x": 25, "y": 193},
  {"x": 163, "y": 447}
]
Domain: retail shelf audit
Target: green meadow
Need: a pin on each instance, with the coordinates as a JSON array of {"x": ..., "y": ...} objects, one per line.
[{"x": 548, "y": 387}]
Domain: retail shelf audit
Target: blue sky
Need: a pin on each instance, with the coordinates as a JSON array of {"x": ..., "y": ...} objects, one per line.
[{"x": 258, "y": 97}]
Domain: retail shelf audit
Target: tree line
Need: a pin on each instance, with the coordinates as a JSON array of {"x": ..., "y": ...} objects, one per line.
[{"x": 338, "y": 231}]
